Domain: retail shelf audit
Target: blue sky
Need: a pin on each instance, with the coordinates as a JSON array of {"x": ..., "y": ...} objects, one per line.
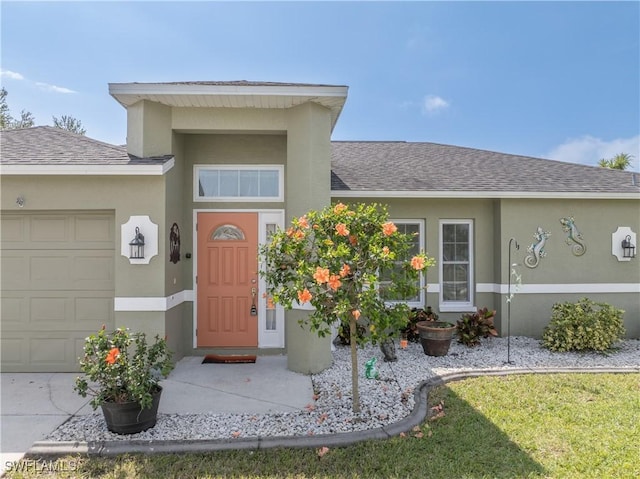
[{"x": 556, "y": 80}]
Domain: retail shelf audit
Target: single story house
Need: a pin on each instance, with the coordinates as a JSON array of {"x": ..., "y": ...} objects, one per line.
[{"x": 162, "y": 235}]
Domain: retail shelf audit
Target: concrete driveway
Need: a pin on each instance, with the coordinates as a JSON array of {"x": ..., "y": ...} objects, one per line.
[
  {"x": 32, "y": 405},
  {"x": 35, "y": 404}
]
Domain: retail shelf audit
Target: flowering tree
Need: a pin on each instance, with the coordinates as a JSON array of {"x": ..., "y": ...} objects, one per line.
[{"x": 347, "y": 262}]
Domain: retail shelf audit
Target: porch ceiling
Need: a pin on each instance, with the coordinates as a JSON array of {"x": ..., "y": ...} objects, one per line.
[{"x": 240, "y": 94}]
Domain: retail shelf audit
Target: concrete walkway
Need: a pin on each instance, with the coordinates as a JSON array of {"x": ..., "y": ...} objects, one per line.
[{"x": 34, "y": 404}]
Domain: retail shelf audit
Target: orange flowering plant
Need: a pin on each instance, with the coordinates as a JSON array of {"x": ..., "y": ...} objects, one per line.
[
  {"x": 333, "y": 260},
  {"x": 120, "y": 367}
]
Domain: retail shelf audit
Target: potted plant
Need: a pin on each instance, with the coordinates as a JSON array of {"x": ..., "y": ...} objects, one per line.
[
  {"x": 473, "y": 326},
  {"x": 415, "y": 316},
  {"x": 122, "y": 373},
  {"x": 435, "y": 335}
]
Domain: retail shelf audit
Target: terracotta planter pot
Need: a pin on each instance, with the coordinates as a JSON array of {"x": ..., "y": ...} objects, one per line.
[
  {"x": 129, "y": 417},
  {"x": 435, "y": 337}
]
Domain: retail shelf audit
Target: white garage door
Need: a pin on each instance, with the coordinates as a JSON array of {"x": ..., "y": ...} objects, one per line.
[{"x": 57, "y": 287}]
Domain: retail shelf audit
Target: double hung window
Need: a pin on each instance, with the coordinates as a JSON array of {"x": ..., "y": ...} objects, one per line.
[
  {"x": 456, "y": 265},
  {"x": 415, "y": 229}
]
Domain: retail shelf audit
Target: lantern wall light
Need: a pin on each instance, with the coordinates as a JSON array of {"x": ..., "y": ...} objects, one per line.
[
  {"x": 628, "y": 248},
  {"x": 136, "y": 246},
  {"x": 139, "y": 240},
  {"x": 623, "y": 243}
]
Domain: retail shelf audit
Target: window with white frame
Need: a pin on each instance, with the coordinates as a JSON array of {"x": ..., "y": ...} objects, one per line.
[
  {"x": 415, "y": 229},
  {"x": 239, "y": 183},
  {"x": 456, "y": 265}
]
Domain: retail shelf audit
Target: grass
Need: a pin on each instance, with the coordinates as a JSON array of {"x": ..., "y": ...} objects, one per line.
[{"x": 528, "y": 426}]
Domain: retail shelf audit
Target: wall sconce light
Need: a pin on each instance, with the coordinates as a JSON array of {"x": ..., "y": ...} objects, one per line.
[
  {"x": 628, "y": 249},
  {"x": 137, "y": 246}
]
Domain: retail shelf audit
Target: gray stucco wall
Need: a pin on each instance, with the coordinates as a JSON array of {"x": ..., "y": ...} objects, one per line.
[{"x": 558, "y": 274}]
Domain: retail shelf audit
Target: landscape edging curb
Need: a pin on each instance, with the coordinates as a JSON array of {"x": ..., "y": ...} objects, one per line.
[{"x": 414, "y": 418}]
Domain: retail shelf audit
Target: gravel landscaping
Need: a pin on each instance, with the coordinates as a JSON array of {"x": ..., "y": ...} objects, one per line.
[{"x": 383, "y": 401}]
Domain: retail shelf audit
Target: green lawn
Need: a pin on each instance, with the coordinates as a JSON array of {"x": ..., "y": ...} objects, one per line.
[{"x": 528, "y": 426}]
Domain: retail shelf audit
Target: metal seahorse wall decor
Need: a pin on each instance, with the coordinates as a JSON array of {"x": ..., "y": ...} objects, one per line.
[
  {"x": 537, "y": 249},
  {"x": 574, "y": 238}
]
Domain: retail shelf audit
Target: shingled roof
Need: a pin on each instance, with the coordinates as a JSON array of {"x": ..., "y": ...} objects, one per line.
[
  {"x": 430, "y": 169},
  {"x": 46, "y": 145},
  {"x": 358, "y": 168}
]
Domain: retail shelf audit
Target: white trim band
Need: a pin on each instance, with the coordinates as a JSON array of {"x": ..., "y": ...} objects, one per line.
[
  {"x": 482, "y": 194},
  {"x": 153, "y": 303},
  {"x": 553, "y": 288},
  {"x": 84, "y": 170}
]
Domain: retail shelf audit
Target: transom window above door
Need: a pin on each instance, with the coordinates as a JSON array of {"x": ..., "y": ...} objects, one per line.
[{"x": 239, "y": 183}]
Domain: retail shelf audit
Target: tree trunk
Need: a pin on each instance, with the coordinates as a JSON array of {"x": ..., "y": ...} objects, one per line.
[{"x": 354, "y": 365}]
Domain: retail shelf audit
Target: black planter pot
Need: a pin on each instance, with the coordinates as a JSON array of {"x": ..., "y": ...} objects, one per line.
[
  {"x": 129, "y": 417},
  {"x": 435, "y": 337}
]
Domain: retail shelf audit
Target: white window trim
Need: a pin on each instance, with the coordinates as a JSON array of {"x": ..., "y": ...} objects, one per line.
[
  {"x": 243, "y": 167},
  {"x": 421, "y": 295},
  {"x": 456, "y": 306}
]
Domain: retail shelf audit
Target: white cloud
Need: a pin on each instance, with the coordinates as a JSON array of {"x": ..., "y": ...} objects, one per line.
[
  {"x": 588, "y": 150},
  {"x": 11, "y": 75},
  {"x": 434, "y": 103},
  {"x": 53, "y": 88}
]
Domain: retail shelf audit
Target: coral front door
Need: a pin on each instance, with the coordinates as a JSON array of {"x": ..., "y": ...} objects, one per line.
[{"x": 227, "y": 280}]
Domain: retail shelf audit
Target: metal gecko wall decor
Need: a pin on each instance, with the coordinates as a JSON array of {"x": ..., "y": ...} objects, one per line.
[
  {"x": 574, "y": 237},
  {"x": 536, "y": 249}
]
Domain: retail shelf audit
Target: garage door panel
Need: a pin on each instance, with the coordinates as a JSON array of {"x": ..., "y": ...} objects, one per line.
[
  {"x": 96, "y": 230},
  {"x": 57, "y": 287},
  {"x": 12, "y": 309},
  {"x": 14, "y": 269},
  {"x": 48, "y": 228},
  {"x": 49, "y": 310},
  {"x": 50, "y": 271},
  {"x": 12, "y": 229},
  {"x": 14, "y": 355},
  {"x": 56, "y": 310},
  {"x": 93, "y": 270},
  {"x": 43, "y": 352},
  {"x": 93, "y": 311}
]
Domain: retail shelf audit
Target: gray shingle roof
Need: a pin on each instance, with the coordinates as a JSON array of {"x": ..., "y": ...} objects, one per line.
[
  {"x": 402, "y": 166},
  {"x": 46, "y": 145},
  {"x": 361, "y": 167}
]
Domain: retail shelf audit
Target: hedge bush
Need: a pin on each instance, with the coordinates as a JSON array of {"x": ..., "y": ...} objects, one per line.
[{"x": 585, "y": 325}]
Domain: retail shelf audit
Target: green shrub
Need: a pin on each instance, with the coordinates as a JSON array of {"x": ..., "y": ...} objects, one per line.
[
  {"x": 584, "y": 325},
  {"x": 473, "y": 326}
]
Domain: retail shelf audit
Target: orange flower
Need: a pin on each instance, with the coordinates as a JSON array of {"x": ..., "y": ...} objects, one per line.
[
  {"x": 302, "y": 221},
  {"x": 334, "y": 282},
  {"x": 270, "y": 304},
  {"x": 385, "y": 250},
  {"x": 356, "y": 313},
  {"x": 345, "y": 270},
  {"x": 342, "y": 230},
  {"x": 321, "y": 275},
  {"x": 389, "y": 228},
  {"x": 289, "y": 232},
  {"x": 112, "y": 356},
  {"x": 339, "y": 208},
  {"x": 298, "y": 234},
  {"x": 417, "y": 262},
  {"x": 353, "y": 240},
  {"x": 304, "y": 296}
]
